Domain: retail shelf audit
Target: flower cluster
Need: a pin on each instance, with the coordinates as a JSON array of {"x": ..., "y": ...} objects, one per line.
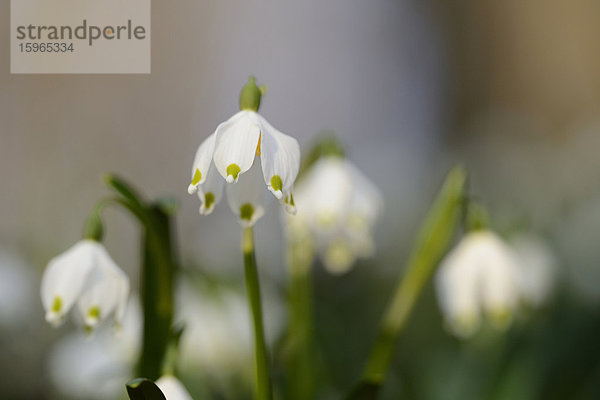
[
  {"x": 248, "y": 153},
  {"x": 484, "y": 274}
]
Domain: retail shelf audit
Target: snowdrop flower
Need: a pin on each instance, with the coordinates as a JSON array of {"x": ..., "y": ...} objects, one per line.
[
  {"x": 337, "y": 209},
  {"x": 172, "y": 388},
  {"x": 477, "y": 276},
  {"x": 536, "y": 269},
  {"x": 248, "y": 153},
  {"x": 85, "y": 274}
]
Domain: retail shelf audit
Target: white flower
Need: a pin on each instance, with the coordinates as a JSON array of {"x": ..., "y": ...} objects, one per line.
[
  {"x": 478, "y": 275},
  {"x": 537, "y": 269},
  {"x": 85, "y": 274},
  {"x": 236, "y": 148},
  {"x": 337, "y": 209},
  {"x": 172, "y": 388},
  {"x": 217, "y": 340}
]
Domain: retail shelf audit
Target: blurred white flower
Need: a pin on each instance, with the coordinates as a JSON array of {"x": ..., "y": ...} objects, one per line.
[
  {"x": 234, "y": 149},
  {"x": 478, "y": 276},
  {"x": 537, "y": 269},
  {"x": 217, "y": 339},
  {"x": 98, "y": 367},
  {"x": 85, "y": 274},
  {"x": 172, "y": 388},
  {"x": 337, "y": 210}
]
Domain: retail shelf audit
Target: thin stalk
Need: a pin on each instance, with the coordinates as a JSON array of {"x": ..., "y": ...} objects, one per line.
[
  {"x": 263, "y": 390},
  {"x": 300, "y": 346}
]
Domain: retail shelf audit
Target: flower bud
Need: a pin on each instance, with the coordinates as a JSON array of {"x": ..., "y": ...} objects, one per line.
[{"x": 250, "y": 95}]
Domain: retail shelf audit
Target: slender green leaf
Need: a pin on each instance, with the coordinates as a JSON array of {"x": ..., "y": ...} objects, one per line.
[
  {"x": 433, "y": 241},
  {"x": 156, "y": 290}
]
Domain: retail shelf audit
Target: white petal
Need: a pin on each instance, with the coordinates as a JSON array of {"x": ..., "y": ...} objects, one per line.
[
  {"x": 172, "y": 388},
  {"x": 280, "y": 158},
  {"x": 211, "y": 191},
  {"x": 122, "y": 299},
  {"x": 64, "y": 279},
  {"x": 366, "y": 200},
  {"x": 325, "y": 194},
  {"x": 537, "y": 268},
  {"x": 105, "y": 292},
  {"x": 202, "y": 161},
  {"x": 457, "y": 289},
  {"x": 247, "y": 198},
  {"x": 235, "y": 146},
  {"x": 499, "y": 289}
]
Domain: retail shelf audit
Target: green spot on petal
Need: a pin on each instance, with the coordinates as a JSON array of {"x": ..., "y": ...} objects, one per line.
[
  {"x": 57, "y": 304},
  {"x": 276, "y": 182},
  {"x": 246, "y": 211},
  {"x": 94, "y": 312},
  {"x": 197, "y": 177},
  {"x": 233, "y": 170},
  {"x": 209, "y": 200},
  {"x": 292, "y": 201}
]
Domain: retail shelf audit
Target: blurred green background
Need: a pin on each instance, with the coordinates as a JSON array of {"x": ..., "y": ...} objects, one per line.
[{"x": 510, "y": 89}]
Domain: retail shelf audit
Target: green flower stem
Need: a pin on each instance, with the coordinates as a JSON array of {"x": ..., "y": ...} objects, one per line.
[
  {"x": 300, "y": 345},
  {"x": 435, "y": 236},
  {"x": 263, "y": 389},
  {"x": 94, "y": 229}
]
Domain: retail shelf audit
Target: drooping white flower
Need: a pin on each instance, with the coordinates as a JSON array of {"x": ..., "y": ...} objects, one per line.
[
  {"x": 337, "y": 210},
  {"x": 478, "y": 276},
  {"x": 87, "y": 276},
  {"x": 172, "y": 388},
  {"x": 236, "y": 148},
  {"x": 537, "y": 269}
]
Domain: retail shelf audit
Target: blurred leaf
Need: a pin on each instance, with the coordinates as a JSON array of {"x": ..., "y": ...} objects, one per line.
[
  {"x": 434, "y": 238},
  {"x": 144, "y": 389}
]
